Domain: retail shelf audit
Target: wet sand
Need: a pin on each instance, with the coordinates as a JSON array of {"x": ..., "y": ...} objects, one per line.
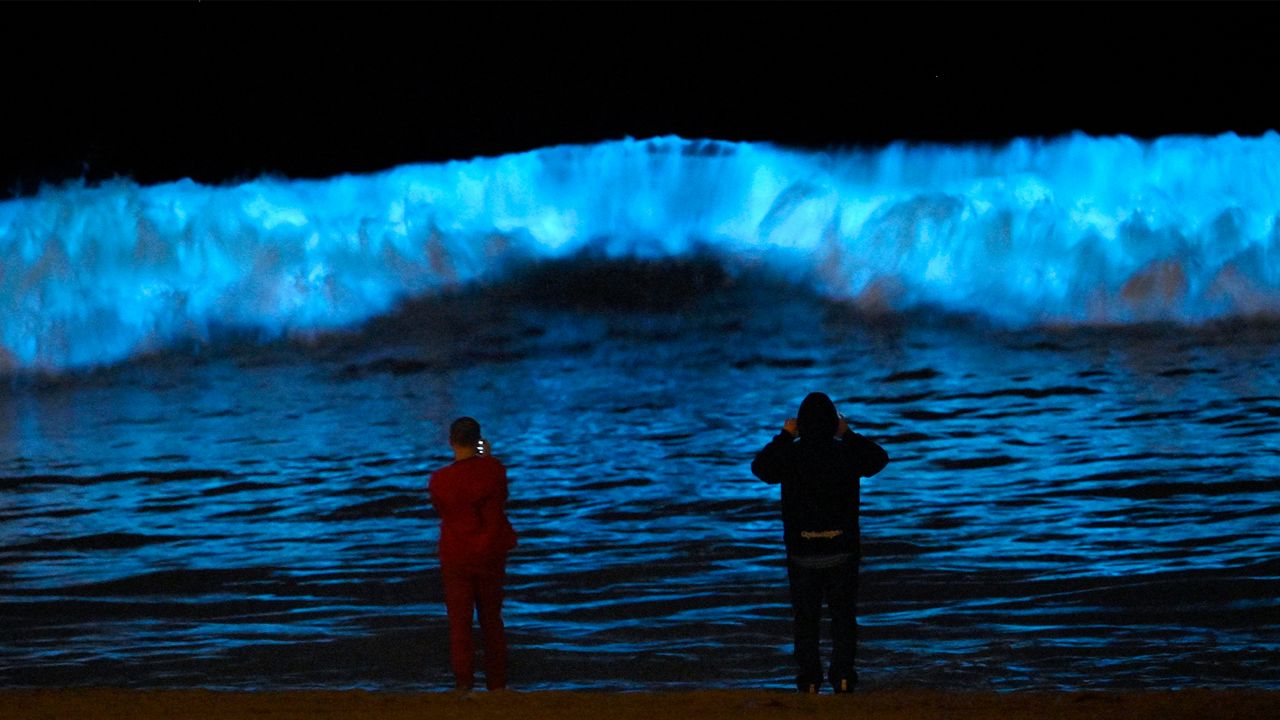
[{"x": 111, "y": 704}]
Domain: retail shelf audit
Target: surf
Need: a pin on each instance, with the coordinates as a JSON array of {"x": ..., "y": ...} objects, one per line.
[{"x": 1068, "y": 231}]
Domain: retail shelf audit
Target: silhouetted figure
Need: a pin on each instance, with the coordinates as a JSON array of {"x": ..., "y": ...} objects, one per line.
[
  {"x": 475, "y": 537},
  {"x": 818, "y": 461}
]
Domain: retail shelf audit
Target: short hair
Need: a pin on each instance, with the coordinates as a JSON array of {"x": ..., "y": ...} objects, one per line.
[{"x": 464, "y": 432}]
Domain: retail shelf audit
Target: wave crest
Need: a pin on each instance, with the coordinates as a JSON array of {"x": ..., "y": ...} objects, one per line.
[{"x": 1072, "y": 230}]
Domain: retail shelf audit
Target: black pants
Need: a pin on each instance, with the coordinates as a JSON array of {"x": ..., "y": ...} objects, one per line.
[{"x": 838, "y": 587}]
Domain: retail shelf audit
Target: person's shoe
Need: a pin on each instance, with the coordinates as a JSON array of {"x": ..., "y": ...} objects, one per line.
[{"x": 809, "y": 683}]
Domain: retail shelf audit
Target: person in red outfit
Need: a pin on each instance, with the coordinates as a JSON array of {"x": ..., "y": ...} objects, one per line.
[{"x": 475, "y": 537}]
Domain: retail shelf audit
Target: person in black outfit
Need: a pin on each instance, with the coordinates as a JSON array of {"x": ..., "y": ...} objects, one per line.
[{"x": 818, "y": 461}]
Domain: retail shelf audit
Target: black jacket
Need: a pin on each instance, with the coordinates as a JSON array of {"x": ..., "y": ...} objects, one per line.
[{"x": 819, "y": 478}]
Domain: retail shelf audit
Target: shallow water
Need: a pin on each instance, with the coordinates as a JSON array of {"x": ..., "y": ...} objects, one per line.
[{"x": 1063, "y": 509}]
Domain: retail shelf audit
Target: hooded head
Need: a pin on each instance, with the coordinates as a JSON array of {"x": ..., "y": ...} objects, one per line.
[{"x": 817, "y": 417}]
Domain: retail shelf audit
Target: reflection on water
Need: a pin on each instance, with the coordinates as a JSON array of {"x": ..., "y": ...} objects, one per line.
[{"x": 1063, "y": 509}]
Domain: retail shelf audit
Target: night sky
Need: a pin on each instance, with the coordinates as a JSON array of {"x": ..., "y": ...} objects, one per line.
[{"x": 227, "y": 91}]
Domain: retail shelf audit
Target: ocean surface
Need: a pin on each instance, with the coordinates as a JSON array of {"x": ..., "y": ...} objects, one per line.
[{"x": 220, "y": 407}]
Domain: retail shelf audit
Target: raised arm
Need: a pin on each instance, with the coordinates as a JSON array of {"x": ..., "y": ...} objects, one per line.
[
  {"x": 767, "y": 464},
  {"x": 867, "y": 456},
  {"x": 489, "y": 507}
]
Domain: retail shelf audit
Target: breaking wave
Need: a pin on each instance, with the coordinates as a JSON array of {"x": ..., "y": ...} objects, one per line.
[{"x": 1075, "y": 230}]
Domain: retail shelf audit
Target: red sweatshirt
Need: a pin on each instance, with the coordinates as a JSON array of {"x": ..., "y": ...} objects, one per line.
[{"x": 469, "y": 496}]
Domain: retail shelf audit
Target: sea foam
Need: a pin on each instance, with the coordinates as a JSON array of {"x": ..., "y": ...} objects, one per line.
[{"x": 1067, "y": 231}]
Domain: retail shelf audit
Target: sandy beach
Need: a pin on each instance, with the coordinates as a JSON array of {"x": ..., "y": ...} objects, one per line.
[{"x": 112, "y": 704}]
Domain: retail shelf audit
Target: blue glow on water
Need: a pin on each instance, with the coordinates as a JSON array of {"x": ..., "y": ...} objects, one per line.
[
  {"x": 1068, "y": 509},
  {"x": 1067, "y": 505},
  {"x": 1067, "y": 231}
]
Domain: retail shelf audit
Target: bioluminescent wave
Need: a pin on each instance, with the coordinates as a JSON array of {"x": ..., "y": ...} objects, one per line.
[{"x": 1073, "y": 230}]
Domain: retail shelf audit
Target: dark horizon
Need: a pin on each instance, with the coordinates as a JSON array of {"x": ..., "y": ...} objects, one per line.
[{"x": 221, "y": 93}]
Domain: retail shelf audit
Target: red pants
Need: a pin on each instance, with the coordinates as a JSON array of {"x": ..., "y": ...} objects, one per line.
[{"x": 471, "y": 590}]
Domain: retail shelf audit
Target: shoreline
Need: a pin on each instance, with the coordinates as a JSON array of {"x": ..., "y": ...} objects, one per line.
[{"x": 119, "y": 704}]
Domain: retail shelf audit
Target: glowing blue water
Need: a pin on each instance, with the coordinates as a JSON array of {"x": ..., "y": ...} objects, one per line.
[
  {"x": 1067, "y": 505},
  {"x": 1074, "y": 230},
  {"x": 1064, "y": 509}
]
